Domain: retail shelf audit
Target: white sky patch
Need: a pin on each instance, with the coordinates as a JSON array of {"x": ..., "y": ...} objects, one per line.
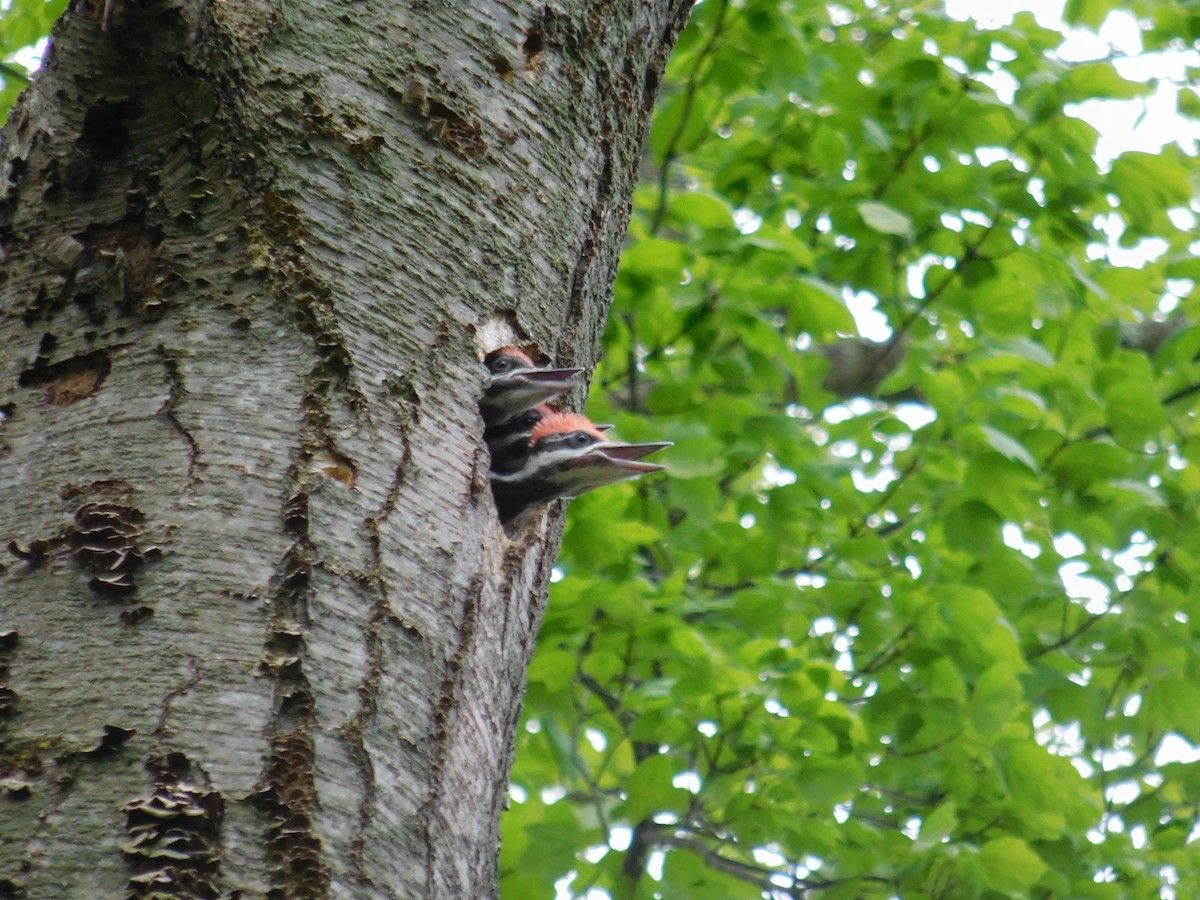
[
  {"x": 1117, "y": 758},
  {"x": 874, "y": 483},
  {"x": 990, "y": 155},
  {"x": 1142, "y": 123},
  {"x": 654, "y": 865},
  {"x": 1123, "y": 792},
  {"x": 746, "y": 221},
  {"x": 915, "y": 273},
  {"x": 915, "y": 415},
  {"x": 1081, "y": 586},
  {"x": 823, "y": 625},
  {"x": 776, "y": 475},
  {"x": 1068, "y": 545},
  {"x": 1133, "y": 561},
  {"x": 775, "y": 708},
  {"x": 844, "y": 412},
  {"x": 872, "y": 324},
  {"x": 596, "y": 739},
  {"x": 1014, "y": 538},
  {"x": 769, "y": 856},
  {"x": 596, "y": 853},
  {"x": 689, "y": 781},
  {"x": 562, "y": 887},
  {"x": 1004, "y": 84},
  {"x": 810, "y": 580},
  {"x": 999, "y": 13},
  {"x": 31, "y": 57},
  {"x": 1112, "y": 226},
  {"x": 1173, "y": 748}
]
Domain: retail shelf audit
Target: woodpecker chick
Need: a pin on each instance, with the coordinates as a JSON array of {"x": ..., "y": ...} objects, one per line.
[
  {"x": 509, "y": 441},
  {"x": 568, "y": 456},
  {"x": 516, "y": 384}
]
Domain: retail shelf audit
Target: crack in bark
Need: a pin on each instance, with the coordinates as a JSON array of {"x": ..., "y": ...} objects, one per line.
[
  {"x": 286, "y": 791},
  {"x": 197, "y": 675},
  {"x": 176, "y": 389},
  {"x": 368, "y": 689}
]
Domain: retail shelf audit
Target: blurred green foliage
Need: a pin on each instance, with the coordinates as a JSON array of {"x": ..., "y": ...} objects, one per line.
[
  {"x": 926, "y": 633},
  {"x": 23, "y": 23}
]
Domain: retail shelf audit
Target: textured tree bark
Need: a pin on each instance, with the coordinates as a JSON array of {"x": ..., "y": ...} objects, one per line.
[{"x": 260, "y": 630}]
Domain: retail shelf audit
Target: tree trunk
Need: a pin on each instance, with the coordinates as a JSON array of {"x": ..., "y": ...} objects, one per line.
[{"x": 260, "y": 630}]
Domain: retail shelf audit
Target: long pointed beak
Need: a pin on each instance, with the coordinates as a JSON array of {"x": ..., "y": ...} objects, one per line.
[
  {"x": 632, "y": 451},
  {"x": 546, "y": 376},
  {"x": 627, "y": 456},
  {"x": 509, "y": 395}
]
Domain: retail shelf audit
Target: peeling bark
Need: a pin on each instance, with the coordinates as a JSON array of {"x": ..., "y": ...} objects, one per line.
[{"x": 260, "y": 630}]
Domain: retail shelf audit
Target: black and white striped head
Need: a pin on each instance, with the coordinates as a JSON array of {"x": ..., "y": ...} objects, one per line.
[{"x": 516, "y": 384}]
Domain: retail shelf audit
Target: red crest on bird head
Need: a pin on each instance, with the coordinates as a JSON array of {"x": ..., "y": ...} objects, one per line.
[{"x": 564, "y": 423}]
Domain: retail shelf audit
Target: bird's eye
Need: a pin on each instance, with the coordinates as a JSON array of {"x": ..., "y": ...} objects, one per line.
[
  {"x": 502, "y": 364},
  {"x": 579, "y": 439}
]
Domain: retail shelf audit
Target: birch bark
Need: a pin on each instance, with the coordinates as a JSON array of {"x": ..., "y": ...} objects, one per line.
[{"x": 260, "y": 631}]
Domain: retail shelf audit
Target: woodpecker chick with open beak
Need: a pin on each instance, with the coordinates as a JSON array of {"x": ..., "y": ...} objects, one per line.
[
  {"x": 509, "y": 441},
  {"x": 516, "y": 384},
  {"x": 568, "y": 456}
]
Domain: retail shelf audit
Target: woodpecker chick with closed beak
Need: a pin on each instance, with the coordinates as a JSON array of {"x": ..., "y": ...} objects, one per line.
[
  {"x": 516, "y": 384},
  {"x": 568, "y": 456}
]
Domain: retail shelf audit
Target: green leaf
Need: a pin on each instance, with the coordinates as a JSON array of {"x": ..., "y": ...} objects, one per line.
[
  {"x": 654, "y": 259},
  {"x": 973, "y": 526},
  {"x": 1024, "y": 348},
  {"x": 1010, "y": 866},
  {"x": 695, "y": 458},
  {"x": 976, "y": 623},
  {"x": 938, "y": 825},
  {"x": 637, "y": 532},
  {"x": 1099, "y": 79},
  {"x": 1134, "y": 414},
  {"x": 884, "y": 219},
  {"x": 829, "y": 781},
  {"x": 1008, "y": 447},
  {"x": 1148, "y": 185},
  {"x": 682, "y": 124},
  {"x": 1170, "y": 705},
  {"x": 1091, "y": 13},
  {"x": 706, "y": 210},
  {"x": 650, "y": 789},
  {"x": 1188, "y": 102},
  {"x": 554, "y": 668},
  {"x": 996, "y": 697}
]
